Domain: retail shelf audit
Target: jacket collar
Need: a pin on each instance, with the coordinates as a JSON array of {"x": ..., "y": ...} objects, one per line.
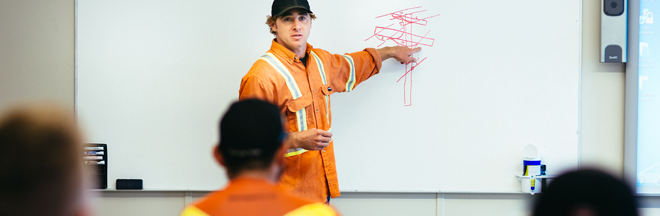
[{"x": 282, "y": 51}]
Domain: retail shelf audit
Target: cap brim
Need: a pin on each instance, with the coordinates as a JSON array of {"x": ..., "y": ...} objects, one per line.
[{"x": 291, "y": 8}]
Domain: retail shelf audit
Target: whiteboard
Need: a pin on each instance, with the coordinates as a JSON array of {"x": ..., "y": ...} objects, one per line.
[{"x": 154, "y": 77}]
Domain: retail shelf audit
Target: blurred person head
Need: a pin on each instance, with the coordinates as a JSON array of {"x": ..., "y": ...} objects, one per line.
[
  {"x": 41, "y": 167},
  {"x": 251, "y": 139},
  {"x": 586, "y": 192}
]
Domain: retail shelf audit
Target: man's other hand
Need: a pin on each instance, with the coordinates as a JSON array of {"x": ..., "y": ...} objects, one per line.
[{"x": 311, "y": 139}]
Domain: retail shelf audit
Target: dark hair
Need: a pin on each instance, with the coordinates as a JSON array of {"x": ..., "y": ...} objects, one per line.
[
  {"x": 40, "y": 162},
  {"x": 590, "y": 190},
  {"x": 250, "y": 134}
]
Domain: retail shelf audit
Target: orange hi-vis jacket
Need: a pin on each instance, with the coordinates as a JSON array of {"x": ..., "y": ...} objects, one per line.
[
  {"x": 255, "y": 197},
  {"x": 302, "y": 94}
]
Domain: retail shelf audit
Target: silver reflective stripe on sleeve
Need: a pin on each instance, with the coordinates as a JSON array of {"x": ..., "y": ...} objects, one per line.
[{"x": 350, "y": 84}]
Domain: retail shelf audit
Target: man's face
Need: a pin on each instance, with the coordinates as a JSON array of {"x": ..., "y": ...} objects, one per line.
[{"x": 293, "y": 29}]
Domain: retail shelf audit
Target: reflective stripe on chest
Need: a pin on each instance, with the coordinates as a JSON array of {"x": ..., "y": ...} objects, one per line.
[
  {"x": 319, "y": 63},
  {"x": 301, "y": 115}
]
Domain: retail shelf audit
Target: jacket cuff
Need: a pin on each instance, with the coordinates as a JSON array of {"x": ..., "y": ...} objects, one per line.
[{"x": 376, "y": 56}]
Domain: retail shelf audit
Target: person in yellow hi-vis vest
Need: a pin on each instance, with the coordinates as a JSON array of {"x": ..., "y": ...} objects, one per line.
[
  {"x": 299, "y": 79},
  {"x": 252, "y": 149}
]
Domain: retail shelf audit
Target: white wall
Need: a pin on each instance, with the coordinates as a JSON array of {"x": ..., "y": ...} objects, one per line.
[
  {"x": 36, "y": 51},
  {"x": 36, "y": 62}
]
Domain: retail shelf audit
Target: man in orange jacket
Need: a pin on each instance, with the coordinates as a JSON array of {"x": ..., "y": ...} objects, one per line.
[
  {"x": 299, "y": 79},
  {"x": 251, "y": 149}
]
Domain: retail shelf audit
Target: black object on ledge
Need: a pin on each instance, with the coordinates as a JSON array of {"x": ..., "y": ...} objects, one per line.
[{"x": 129, "y": 184}]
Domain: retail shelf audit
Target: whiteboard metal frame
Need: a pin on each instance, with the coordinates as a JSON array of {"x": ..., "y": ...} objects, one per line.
[{"x": 632, "y": 86}]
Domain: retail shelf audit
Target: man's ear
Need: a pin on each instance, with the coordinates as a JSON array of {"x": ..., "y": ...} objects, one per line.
[
  {"x": 273, "y": 27},
  {"x": 218, "y": 156}
]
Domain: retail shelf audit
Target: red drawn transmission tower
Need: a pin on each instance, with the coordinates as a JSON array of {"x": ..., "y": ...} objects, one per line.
[{"x": 402, "y": 34}]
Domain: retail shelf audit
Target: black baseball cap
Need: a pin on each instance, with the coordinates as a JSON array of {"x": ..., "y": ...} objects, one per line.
[
  {"x": 251, "y": 129},
  {"x": 281, "y": 6}
]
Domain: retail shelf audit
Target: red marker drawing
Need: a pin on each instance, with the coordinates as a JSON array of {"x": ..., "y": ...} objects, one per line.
[{"x": 402, "y": 34}]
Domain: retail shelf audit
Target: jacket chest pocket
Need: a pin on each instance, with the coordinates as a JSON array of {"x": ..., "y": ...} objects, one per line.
[{"x": 297, "y": 114}]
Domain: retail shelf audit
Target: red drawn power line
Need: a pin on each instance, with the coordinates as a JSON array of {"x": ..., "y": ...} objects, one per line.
[{"x": 402, "y": 35}]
